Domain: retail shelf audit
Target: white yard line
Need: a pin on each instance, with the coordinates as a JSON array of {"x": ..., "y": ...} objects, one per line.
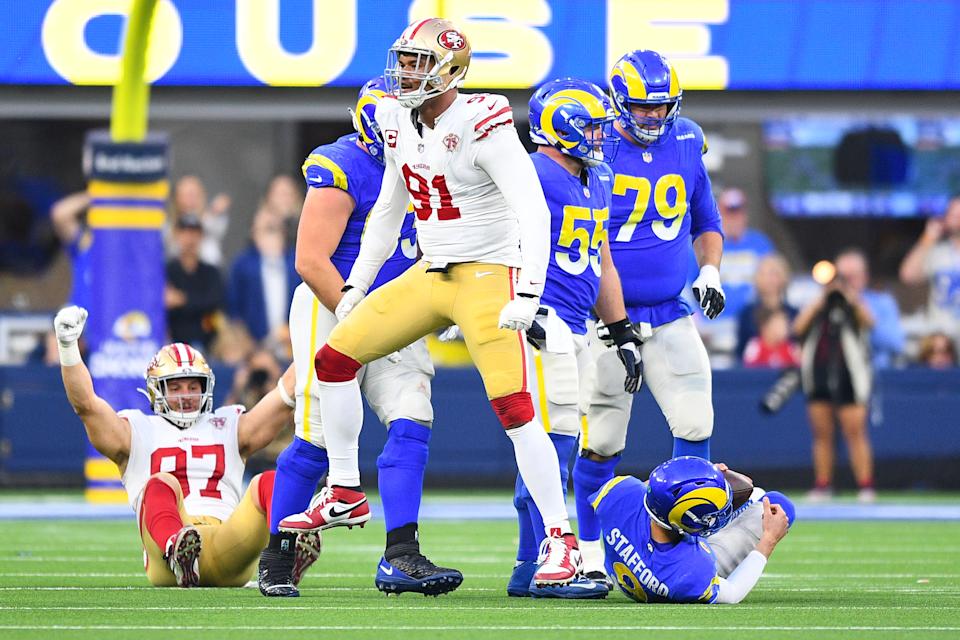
[
  {"x": 106, "y": 627},
  {"x": 541, "y": 605}
]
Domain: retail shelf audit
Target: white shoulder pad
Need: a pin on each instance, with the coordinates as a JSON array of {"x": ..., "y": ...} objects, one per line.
[
  {"x": 488, "y": 112},
  {"x": 230, "y": 410},
  {"x": 387, "y": 110}
]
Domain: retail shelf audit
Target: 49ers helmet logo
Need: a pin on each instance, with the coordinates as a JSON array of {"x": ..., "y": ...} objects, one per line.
[{"x": 452, "y": 40}]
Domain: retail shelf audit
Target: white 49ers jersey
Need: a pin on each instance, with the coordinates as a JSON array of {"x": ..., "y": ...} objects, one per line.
[
  {"x": 205, "y": 458},
  {"x": 462, "y": 215}
]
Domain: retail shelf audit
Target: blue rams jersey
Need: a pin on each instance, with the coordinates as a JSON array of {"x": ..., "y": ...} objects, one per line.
[
  {"x": 344, "y": 165},
  {"x": 578, "y": 215},
  {"x": 662, "y": 199},
  {"x": 646, "y": 570}
]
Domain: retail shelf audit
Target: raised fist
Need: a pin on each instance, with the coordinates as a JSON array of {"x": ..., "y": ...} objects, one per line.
[{"x": 68, "y": 324}]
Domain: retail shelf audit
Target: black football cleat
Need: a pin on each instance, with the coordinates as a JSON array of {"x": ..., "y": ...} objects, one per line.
[
  {"x": 412, "y": 572},
  {"x": 275, "y": 574},
  {"x": 601, "y": 578}
]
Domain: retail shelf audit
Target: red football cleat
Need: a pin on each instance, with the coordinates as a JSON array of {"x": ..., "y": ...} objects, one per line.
[
  {"x": 332, "y": 507},
  {"x": 559, "y": 562}
]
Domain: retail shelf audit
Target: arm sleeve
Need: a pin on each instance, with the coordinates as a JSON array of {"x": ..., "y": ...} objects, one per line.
[
  {"x": 507, "y": 163},
  {"x": 380, "y": 234},
  {"x": 736, "y": 587}
]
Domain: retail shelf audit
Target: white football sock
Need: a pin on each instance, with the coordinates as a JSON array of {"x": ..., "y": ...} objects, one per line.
[
  {"x": 592, "y": 553},
  {"x": 341, "y": 412},
  {"x": 537, "y": 462}
]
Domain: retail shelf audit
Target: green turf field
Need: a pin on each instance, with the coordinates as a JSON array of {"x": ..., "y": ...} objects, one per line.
[{"x": 83, "y": 579}]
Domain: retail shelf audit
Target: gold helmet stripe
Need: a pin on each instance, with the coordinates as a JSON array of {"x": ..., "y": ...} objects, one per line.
[
  {"x": 714, "y": 496},
  {"x": 674, "y": 83},
  {"x": 631, "y": 77}
]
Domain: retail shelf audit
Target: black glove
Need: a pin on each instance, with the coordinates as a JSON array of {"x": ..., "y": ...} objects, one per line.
[
  {"x": 628, "y": 344},
  {"x": 709, "y": 292},
  {"x": 537, "y": 334}
]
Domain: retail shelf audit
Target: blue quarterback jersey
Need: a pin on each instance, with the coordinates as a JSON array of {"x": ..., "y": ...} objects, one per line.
[
  {"x": 344, "y": 165},
  {"x": 645, "y": 570},
  {"x": 662, "y": 200},
  {"x": 578, "y": 215}
]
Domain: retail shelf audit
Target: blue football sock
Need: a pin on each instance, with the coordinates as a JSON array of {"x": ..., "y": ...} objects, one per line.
[
  {"x": 299, "y": 468},
  {"x": 699, "y": 448},
  {"x": 564, "y": 446},
  {"x": 775, "y": 497},
  {"x": 528, "y": 546},
  {"x": 588, "y": 476},
  {"x": 401, "y": 466}
]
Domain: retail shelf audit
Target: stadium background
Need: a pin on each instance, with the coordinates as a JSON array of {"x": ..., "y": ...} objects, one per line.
[{"x": 241, "y": 108}]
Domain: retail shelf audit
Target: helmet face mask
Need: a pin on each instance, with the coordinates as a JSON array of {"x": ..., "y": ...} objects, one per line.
[
  {"x": 576, "y": 118},
  {"x": 364, "y": 120},
  {"x": 182, "y": 406},
  {"x": 645, "y": 78},
  {"x": 430, "y": 58},
  {"x": 688, "y": 495}
]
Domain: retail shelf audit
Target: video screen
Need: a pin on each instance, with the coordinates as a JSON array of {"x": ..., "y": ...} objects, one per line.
[{"x": 895, "y": 167}]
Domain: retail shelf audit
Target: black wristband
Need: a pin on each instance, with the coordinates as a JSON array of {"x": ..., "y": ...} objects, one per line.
[
  {"x": 346, "y": 288},
  {"x": 622, "y": 332}
]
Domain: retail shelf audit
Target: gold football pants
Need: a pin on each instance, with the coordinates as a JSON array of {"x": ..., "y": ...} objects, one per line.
[{"x": 469, "y": 294}]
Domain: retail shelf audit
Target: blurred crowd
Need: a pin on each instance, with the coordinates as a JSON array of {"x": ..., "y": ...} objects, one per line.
[
  {"x": 234, "y": 310},
  {"x": 237, "y": 307},
  {"x": 758, "y": 328}
]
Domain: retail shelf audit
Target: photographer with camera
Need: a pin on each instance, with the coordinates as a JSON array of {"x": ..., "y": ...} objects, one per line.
[{"x": 836, "y": 374}]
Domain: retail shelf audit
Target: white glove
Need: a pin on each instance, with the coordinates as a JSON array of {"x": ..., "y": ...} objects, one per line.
[
  {"x": 68, "y": 324},
  {"x": 351, "y": 298},
  {"x": 518, "y": 314},
  {"x": 709, "y": 293},
  {"x": 450, "y": 334}
]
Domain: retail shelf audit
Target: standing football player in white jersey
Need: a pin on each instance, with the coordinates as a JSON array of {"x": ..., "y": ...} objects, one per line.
[
  {"x": 182, "y": 467},
  {"x": 343, "y": 180},
  {"x": 483, "y": 228}
]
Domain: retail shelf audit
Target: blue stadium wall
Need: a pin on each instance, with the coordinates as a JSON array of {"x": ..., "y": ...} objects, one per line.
[{"x": 914, "y": 431}]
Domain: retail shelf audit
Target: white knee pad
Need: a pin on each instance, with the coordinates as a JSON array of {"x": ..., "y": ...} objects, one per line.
[
  {"x": 306, "y": 420},
  {"x": 677, "y": 371},
  {"x": 310, "y": 324},
  {"x": 605, "y": 430},
  {"x": 401, "y": 389},
  {"x": 691, "y": 417},
  {"x": 555, "y": 390}
]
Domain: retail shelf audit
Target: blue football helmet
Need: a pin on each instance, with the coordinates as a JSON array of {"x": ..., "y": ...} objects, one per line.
[
  {"x": 689, "y": 495},
  {"x": 364, "y": 123},
  {"x": 644, "y": 77},
  {"x": 575, "y": 117}
]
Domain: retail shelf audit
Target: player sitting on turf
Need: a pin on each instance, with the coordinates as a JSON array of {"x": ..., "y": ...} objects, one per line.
[
  {"x": 655, "y": 533},
  {"x": 183, "y": 466},
  {"x": 571, "y": 121}
]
